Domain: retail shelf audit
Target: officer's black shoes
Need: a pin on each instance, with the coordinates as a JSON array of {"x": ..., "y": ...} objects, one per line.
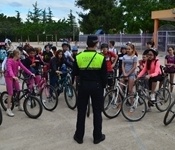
[
  {"x": 77, "y": 140},
  {"x": 100, "y": 140}
]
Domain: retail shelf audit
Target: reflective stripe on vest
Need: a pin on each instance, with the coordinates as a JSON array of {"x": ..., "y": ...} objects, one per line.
[{"x": 84, "y": 58}]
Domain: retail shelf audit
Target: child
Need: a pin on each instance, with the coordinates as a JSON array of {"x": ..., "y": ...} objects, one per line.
[
  {"x": 33, "y": 63},
  {"x": 142, "y": 62},
  {"x": 129, "y": 64},
  {"x": 11, "y": 78},
  {"x": 109, "y": 56},
  {"x": 56, "y": 64},
  {"x": 154, "y": 73},
  {"x": 47, "y": 56},
  {"x": 170, "y": 65},
  {"x": 120, "y": 58}
]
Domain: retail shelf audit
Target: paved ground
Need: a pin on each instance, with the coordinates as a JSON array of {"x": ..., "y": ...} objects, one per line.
[{"x": 54, "y": 131}]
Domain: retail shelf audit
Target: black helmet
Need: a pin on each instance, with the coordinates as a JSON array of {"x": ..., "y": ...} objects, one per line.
[
  {"x": 65, "y": 44},
  {"x": 155, "y": 52},
  {"x": 104, "y": 45}
]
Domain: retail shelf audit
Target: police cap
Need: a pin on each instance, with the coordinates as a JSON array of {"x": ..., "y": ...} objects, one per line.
[{"x": 92, "y": 39}]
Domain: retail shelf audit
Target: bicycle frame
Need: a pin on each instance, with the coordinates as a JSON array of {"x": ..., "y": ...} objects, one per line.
[{"x": 119, "y": 84}]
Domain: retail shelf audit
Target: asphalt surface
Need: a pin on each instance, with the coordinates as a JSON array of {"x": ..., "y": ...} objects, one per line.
[{"x": 55, "y": 130}]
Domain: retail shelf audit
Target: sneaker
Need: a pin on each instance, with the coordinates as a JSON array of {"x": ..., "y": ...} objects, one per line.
[
  {"x": 149, "y": 109},
  {"x": 20, "y": 108},
  {"x": 9, "y": 112},
  {"x": 152, "y": 96},
  {"x": 132, "y": 109}
]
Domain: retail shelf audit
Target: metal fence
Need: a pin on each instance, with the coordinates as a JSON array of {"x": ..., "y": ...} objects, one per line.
[
  {"x": 165, "y": 39},
  {"x": 139, "y": 40}
]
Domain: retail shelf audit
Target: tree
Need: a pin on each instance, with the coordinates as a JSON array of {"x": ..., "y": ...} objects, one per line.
[
  {"x": 35, "y": 16},
  {"x": 50, "y": 15},
  {"x": 102, "y": 14},
  {"x": 137, "y": 14},
  {"x": 44, "y": 16}
]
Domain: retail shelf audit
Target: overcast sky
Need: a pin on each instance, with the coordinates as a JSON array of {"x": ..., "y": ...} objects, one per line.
[{"x": 60, "y": 8}]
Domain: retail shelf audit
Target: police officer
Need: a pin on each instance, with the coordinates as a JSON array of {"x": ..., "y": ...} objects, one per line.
[{"x": 90, "y": 66}]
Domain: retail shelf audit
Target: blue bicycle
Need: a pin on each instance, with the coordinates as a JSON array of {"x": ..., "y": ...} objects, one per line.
[{"x": 64, "y": 84}]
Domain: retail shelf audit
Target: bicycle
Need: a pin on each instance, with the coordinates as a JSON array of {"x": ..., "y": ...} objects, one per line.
[
  {"x": 134, "y": 107},
  {"x": 1, "y": 118},
  {"x": 47, "y": 94},
  {"x": 107, "y": 88},
  {"x": 63, "y": 85},
  {"x": 170, "y": 114},
  {"x": 30, "y": 102},
  {"x": 113, "y": 99}
]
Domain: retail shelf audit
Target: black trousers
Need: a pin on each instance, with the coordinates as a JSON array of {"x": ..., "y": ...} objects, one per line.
[{"x": 94, "y": 90}]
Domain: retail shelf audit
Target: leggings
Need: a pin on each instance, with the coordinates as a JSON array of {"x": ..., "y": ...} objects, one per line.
[{"x": 11, "y": 85}]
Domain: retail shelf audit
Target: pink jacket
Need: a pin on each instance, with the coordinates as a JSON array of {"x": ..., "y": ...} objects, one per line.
[
  {"x": 12, "y": 67},
  {"x": 154, "y": 69}
]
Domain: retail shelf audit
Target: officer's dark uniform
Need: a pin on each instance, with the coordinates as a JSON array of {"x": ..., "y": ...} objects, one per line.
[{"x": 92, "y": 82}]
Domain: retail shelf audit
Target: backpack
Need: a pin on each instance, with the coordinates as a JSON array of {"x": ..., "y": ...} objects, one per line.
[
  {"x": 161, "y": 67},
  {"x": 3, "y": 54}
]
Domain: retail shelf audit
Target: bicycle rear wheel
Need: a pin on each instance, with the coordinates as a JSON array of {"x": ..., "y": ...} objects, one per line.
[
  {"x": 163, "y": 99},
  {"x": 70, "y": 96},
  {"x": 1, "y": 118},
  {"x": 112, "y": 103},
  {"x": 32, "y": 107},
  {"x": 3, "y": 100},
  {"x": 49, "y": 98},
  {"x": 134, "y": 108},
  {"x": 170, "y": 114}
]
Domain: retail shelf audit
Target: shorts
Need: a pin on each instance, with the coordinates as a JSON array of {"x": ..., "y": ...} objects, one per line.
[
  {"x": 110, "y": 78},
  {"x": 155, "y": 79}
]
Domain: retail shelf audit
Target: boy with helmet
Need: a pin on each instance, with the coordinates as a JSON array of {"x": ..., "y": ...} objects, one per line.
[{"x": 111, "y": 59}]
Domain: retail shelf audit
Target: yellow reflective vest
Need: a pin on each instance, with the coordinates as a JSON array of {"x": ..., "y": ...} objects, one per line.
[{"x": 84, "y": 58}]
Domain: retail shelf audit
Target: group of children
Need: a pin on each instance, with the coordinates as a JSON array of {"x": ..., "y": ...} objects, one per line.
[
  {"x": 32, "y": 61},
  {"x": 126, "y": 61},
  {"x": 148, "y": 67}
]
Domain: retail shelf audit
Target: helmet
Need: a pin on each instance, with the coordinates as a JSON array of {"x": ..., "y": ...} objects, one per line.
[
  {"x": 104, "y": 45},
  {"x": 155, "y": 52},
  {"x": 123, "y": 47},
  {"x": 129, "y": 42},
  {"x": 65, "y": 44}
]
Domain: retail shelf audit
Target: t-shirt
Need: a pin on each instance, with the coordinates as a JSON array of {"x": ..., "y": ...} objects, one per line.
[
  {"x": 108, "y": 57},
  {"x": 113, "y": 50},
  {"x": 170, "y": 59},
  {"x": 129, "y": 63},
  {"x": 67, "y": 54}
]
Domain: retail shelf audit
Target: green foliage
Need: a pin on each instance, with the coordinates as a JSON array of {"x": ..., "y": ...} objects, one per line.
[
  {"x": 115, "y": 16},
  {"x": 38, "y": 22}
]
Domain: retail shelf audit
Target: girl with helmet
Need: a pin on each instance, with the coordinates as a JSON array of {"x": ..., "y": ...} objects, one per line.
[{"x": 153, "y": 71}]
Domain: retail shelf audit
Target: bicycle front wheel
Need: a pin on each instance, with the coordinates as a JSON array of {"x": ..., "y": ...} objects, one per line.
[
  {"x": 170, "y": 114},
  {"x": 112, "y": 103},
  {"x": 3, "y": 100},
  {"x": 1, "y": 118},
  {"x": 32, "y": 107},
  {"x": 163, "y": 99},
  {"x": 49, "y": 98},
  {"x": 134, "y": 108},
  {"x": 70, "y": 96}
]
